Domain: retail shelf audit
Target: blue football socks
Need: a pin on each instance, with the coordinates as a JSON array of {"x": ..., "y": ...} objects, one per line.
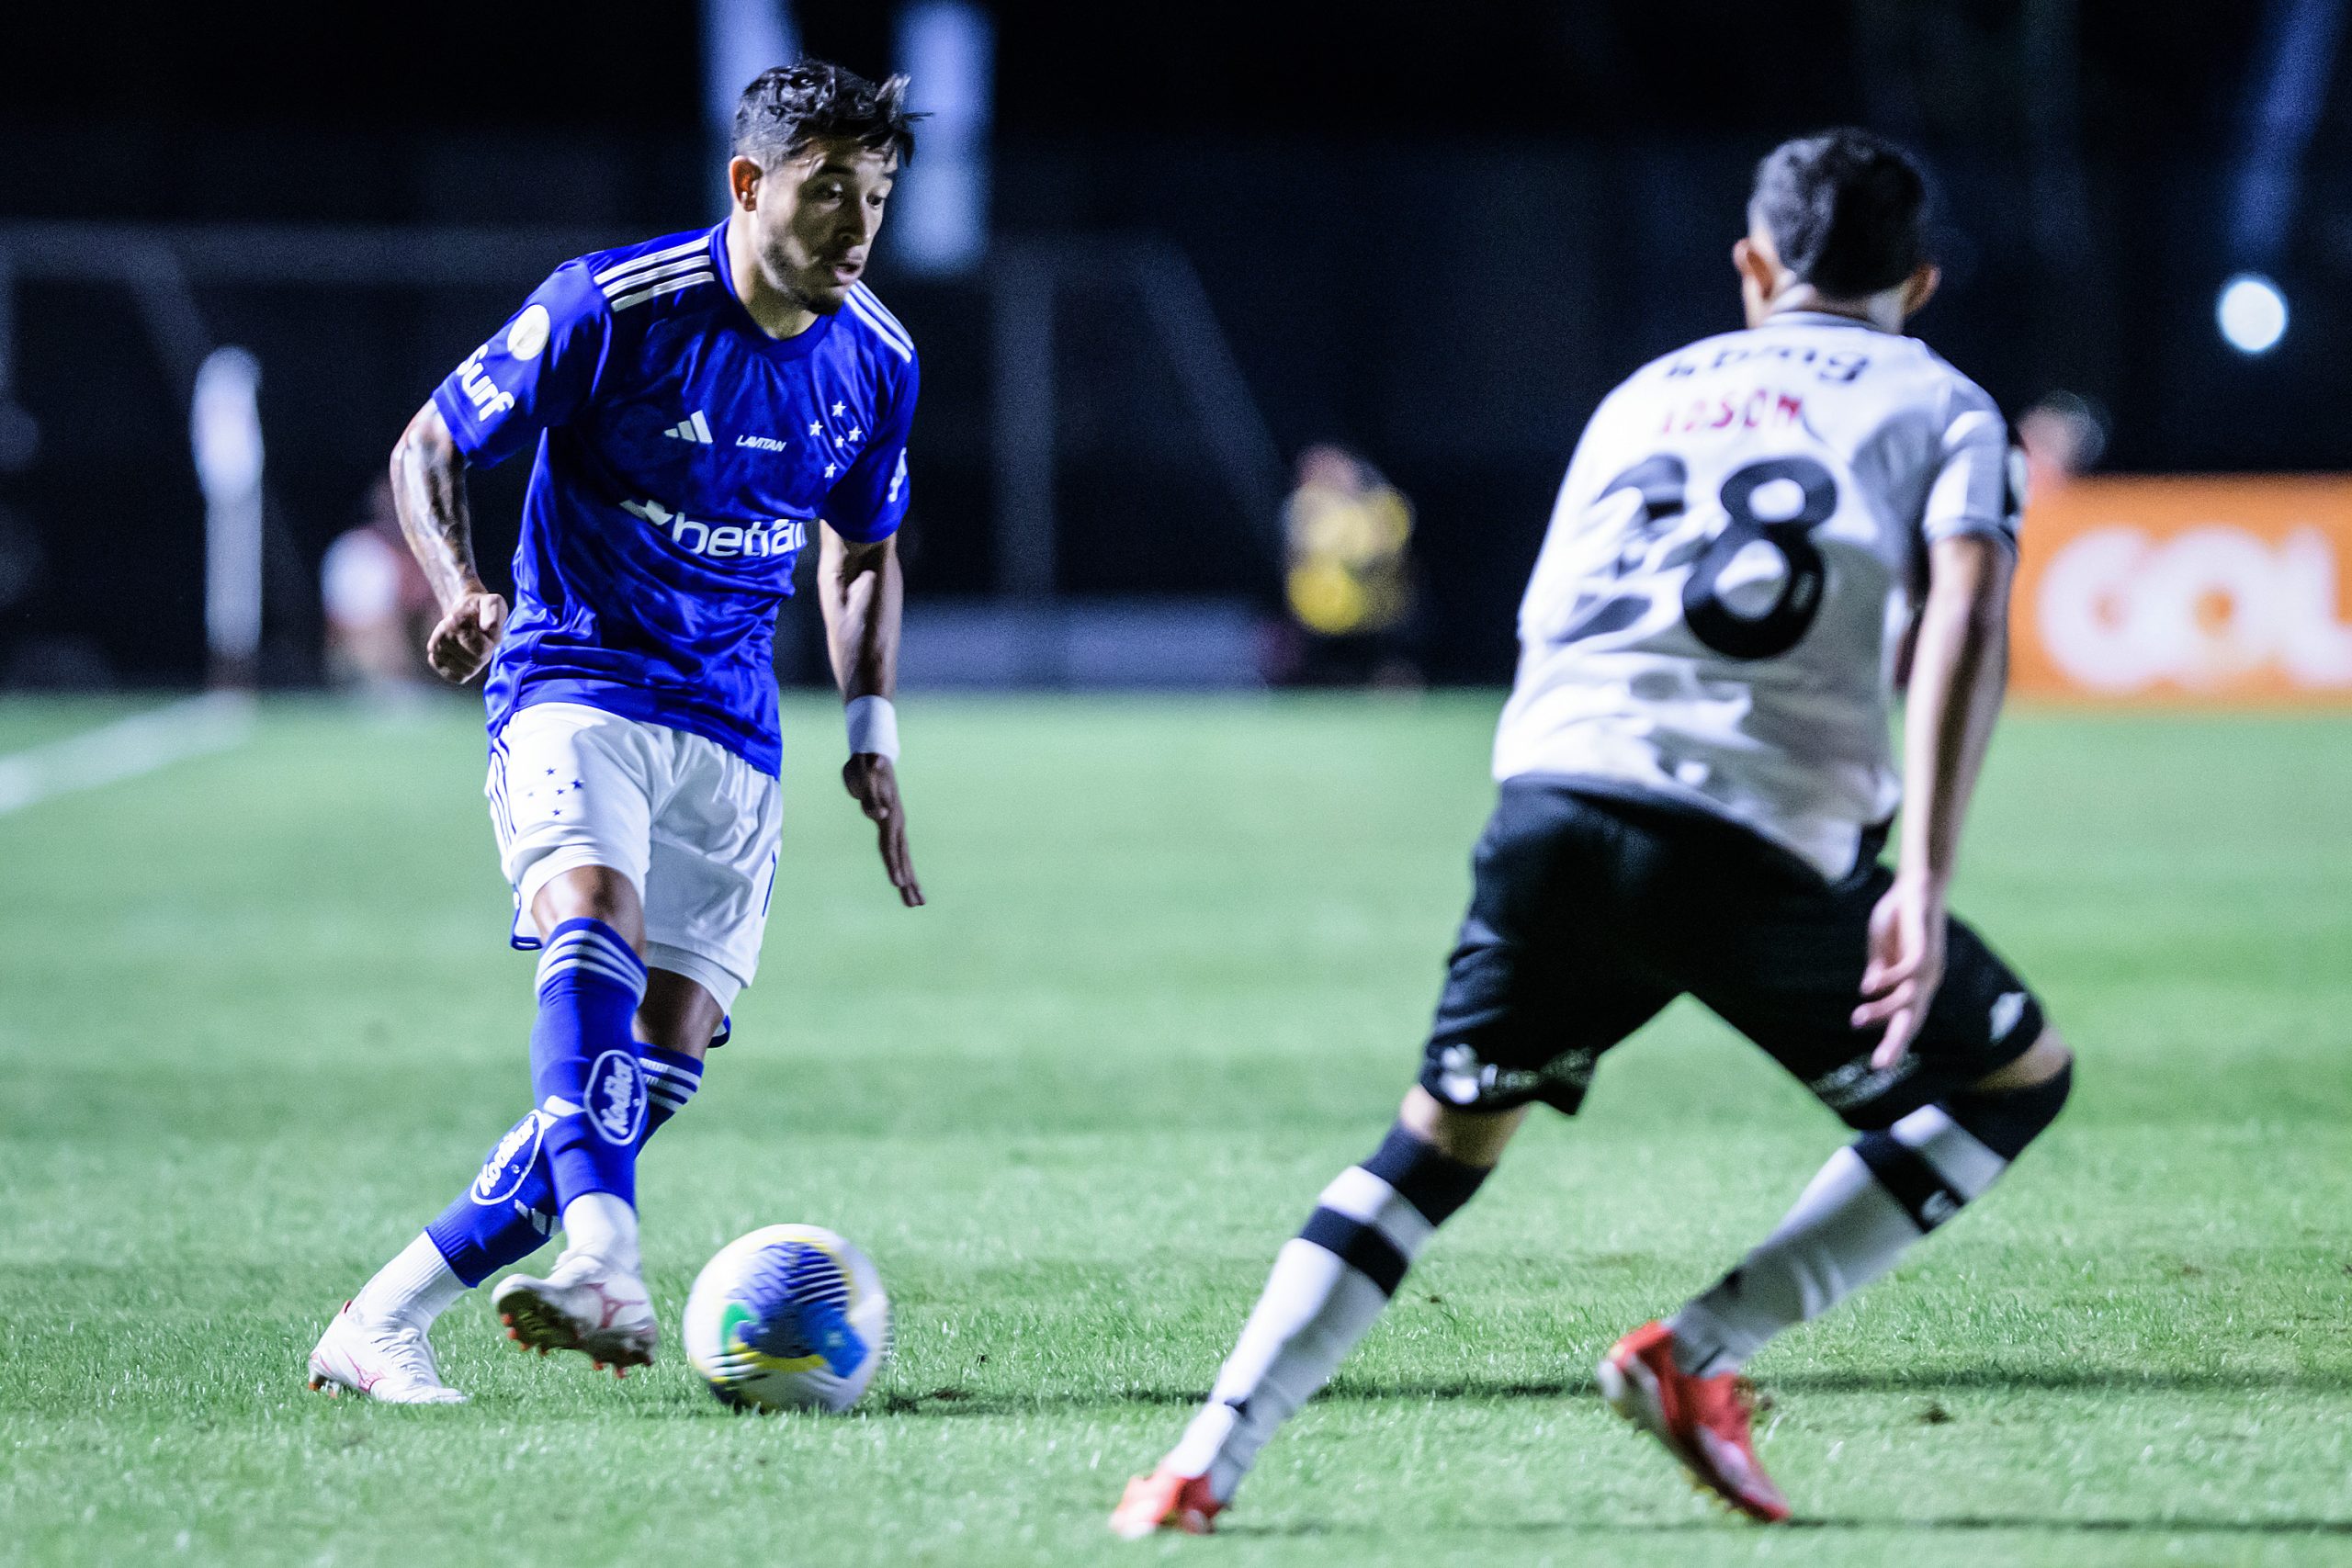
[
  {"x": 593, "y": 1109},
  {"x": 510, "y": 1209},
  {"x": 671, "y": 1080},
  {"x": 584, "y": 1060}
]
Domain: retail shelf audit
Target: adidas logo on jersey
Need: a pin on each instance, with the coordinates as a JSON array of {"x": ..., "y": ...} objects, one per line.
[{"x": 693, "y": 427}]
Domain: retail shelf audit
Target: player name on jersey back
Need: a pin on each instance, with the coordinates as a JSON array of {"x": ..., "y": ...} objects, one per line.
[{"x": 1730, "y": 568}]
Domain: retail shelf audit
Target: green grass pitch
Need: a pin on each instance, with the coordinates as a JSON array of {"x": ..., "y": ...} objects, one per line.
[{"x": 258, "y": 1023}]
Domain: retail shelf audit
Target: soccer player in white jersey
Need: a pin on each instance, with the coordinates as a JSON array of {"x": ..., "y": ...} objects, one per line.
[
  {"x": 1756, "y": 537},
  {"x": 696, "y": 405}
]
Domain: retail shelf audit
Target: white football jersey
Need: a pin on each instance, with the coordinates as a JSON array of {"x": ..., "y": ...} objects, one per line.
[{"x": 1730, "y": 569}]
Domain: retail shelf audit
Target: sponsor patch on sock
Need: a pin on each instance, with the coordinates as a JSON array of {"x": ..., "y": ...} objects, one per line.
[
  {"x": 615, "y": 1097},
  {"x": 509, "y": 1164}
]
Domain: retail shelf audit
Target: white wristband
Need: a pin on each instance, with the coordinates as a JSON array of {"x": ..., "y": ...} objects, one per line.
[{"x": 873, "y": 728}]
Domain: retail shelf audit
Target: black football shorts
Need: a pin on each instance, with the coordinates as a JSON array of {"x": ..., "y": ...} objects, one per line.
[{"x": 1593, "y": 910}]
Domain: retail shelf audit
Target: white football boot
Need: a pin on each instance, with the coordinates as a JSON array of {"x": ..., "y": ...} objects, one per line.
[
  {"x": 583, "y": 1304},
  {"x": 391, "y": 1362}
]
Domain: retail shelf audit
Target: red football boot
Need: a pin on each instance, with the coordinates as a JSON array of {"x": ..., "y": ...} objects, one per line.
[
  {"x": 1702, "y": 1421},
  {"x": 1165, "y": 1501}
]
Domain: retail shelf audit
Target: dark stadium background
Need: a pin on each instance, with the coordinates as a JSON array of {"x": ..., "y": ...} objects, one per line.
[{"x": 1435, "y": 234}]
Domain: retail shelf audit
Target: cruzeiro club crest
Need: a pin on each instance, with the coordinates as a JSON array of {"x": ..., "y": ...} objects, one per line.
[
  {"x": 616, "y": 1097},
  {"x": 502, "y": 1173}
]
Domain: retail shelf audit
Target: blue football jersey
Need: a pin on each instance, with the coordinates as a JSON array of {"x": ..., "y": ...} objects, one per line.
[{"x": 683, "y": 455}]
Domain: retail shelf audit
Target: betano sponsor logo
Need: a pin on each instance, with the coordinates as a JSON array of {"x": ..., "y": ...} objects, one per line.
[{"x": 782, "y": 537}]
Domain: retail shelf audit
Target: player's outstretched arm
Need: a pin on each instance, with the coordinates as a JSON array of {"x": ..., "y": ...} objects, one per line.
[
  {"x": 429, "y": 493},
  {"x": 1959, "y": 670},
  {"x": 860, "y": 591}
]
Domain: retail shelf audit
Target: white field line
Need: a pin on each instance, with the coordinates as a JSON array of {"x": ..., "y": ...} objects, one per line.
[{"x": 194, "y": 727}]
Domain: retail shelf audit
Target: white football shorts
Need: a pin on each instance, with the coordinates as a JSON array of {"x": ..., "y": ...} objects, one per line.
[{"x": 694, "y": 826}]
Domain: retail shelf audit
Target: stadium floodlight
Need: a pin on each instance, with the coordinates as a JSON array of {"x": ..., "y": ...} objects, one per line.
[
  {"x": 2252, "y": 313},
  {"x": 224, "y": 425},
  {"x": 740, "y": 39},
  {"x": 941, "y": 209}
]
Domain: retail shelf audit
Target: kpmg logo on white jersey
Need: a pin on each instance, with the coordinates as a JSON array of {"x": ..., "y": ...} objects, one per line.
[
  {"x": 481, "y": 390},
  {"x": 693, "y": 428},
  {"x": 721, "y": 541}
]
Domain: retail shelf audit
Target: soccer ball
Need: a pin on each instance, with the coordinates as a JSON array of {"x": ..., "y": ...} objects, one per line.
[{"x": 789, "y": 1317}]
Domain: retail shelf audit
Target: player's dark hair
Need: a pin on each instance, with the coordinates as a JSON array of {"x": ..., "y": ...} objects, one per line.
[
  {"x": 788, "y": 106},
  {"x": 1847, "y": 212}
]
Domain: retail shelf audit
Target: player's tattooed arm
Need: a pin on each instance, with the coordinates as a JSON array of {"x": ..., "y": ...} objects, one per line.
[
  {"x": 860, "y": 591},
  {"x": 429, "y": 493},
  {"x": 1959, "y": 670}
]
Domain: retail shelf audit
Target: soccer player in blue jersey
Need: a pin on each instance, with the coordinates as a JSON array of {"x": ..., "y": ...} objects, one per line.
[{"x": 696, "y": 405}]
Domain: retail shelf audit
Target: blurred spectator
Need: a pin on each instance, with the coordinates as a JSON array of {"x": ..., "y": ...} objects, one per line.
[
  {"x": 1347, "y": 536},
  {"x": 2063, "y": 436},
  {"x": 378, "y": 606}
]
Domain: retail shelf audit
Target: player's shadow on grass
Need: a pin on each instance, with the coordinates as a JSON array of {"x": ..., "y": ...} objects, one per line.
[
  {"x": 2176, "y": 1525},
  {"x": 2053, "y": 1379},
  {"x": 953, "y": 1401},
  {"x": 1913, "y": 1379},
  {"x": 1959, "y": 1524},
  {"x": 964, "y": 1402}
]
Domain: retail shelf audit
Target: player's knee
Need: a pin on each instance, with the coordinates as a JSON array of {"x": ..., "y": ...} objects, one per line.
[
  {"x": 592, "y": 892},
  {"x": 1468, "y": 1137},
  {"x": 2043, "y": 1060},
  {"x": 2008, "y": 1109},
  {"x": 677, "y": 1014}
]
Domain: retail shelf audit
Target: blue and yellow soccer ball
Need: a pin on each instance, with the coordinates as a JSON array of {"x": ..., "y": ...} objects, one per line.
[{"x": 789, "y": 1317}]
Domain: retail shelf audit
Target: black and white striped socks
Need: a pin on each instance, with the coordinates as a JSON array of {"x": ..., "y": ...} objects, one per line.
[
  {"x": 1875, "y": 1199},
  {"x": 1329, "y": 1285}
]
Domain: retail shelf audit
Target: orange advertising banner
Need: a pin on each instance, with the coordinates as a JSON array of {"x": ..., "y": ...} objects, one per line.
[{"x": 2207, "y": 590}]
